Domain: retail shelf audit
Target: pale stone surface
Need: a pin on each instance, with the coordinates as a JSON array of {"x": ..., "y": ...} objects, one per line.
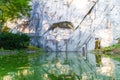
[
  {"x": 107, "y": 67},
  {"x": 102, "y": 22},
  {"x": 18, "y": 25}
]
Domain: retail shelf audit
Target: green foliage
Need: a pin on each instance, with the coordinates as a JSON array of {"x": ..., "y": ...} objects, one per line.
[
  {"x": 33, "y": 48},
  {"x": 110, "y": 48},
  {"x": 10, "y": 9},
  {"x": 13, "y": 41}
]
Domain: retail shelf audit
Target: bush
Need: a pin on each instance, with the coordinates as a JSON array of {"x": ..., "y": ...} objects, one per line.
[
  {"x": 13, "y": 41},
  {"x": 33, "y": 48},
  {"x": 110, "y": 48}
]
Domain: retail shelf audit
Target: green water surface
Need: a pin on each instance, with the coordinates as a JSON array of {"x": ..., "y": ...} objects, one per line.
[{"x": 58, "y": 66}]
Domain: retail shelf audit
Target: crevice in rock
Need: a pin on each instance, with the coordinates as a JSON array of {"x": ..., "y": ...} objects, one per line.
[{"x": 87, "y": 14}]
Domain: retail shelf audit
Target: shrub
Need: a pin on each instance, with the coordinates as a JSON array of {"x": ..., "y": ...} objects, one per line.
[
  {"x": 33, "y": 48},
  {"x": 13, "y": 41},
  {"x": 110, "y": 48}
]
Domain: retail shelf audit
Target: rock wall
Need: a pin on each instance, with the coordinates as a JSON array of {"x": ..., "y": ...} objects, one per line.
[{"x": 91, "y": 19}]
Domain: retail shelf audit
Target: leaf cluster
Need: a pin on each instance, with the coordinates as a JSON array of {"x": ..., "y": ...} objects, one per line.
[
  {"x": 10, "y": 9},
  {"x": 12, "y": 41},
  {"x": 110, "y": 48}
]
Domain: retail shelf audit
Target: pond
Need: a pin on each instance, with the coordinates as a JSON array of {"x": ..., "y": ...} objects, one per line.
[{"x": 59, "y": 66}]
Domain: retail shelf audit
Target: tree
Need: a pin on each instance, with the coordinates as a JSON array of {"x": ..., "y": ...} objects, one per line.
[{"x": 10, "y": 9}]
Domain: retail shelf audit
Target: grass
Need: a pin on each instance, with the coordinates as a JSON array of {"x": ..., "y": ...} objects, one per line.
[
  {"x": 34, "y": 48},
  {"x": 29, "y": 49},
  {"x": 111, "y": 48},
  {"x": 111, "y": 51}
]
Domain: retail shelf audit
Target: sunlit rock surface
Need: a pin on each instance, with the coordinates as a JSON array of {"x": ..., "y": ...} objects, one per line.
[
  {"x": 107, "y": 67},
  {"x": 18, "y": 25},
  {"x": 91, "y": 19}
]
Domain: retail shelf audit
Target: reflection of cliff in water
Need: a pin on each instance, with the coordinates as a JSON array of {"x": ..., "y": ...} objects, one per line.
[
  {"x": 69, "y": 63},
  {"x": 66, "y": 66}
]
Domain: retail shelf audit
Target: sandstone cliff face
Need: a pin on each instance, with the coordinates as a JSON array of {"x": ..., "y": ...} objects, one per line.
[{"x": 91, "y": 19}]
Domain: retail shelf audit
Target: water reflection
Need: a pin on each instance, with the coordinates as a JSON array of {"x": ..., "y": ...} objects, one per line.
[
  {"x": 98, "y": 59},
  {"x": 107, "y": 67},
  {"x": 60, "y": 66}
]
